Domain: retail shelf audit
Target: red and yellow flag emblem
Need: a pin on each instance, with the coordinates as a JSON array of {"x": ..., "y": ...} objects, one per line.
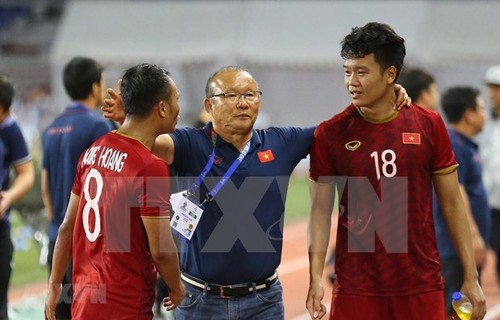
[
  {"x": 265, "y": 156},
  {"x": 411, "y": 138}
]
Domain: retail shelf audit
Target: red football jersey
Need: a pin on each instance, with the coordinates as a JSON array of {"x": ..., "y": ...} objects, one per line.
[
  {"x": 118, "y": 181},
  {"x": 386, "y": 243}
]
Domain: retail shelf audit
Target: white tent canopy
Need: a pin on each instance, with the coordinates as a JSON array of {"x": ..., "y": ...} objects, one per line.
[{"x": 291, "y": 47}]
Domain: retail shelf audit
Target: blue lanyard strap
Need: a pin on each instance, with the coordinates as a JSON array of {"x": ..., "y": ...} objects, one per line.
[{"x": 236, "y": 163}]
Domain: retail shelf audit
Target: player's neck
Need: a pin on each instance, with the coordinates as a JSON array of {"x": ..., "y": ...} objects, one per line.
[
  {"x": 378, "y": 114},
  {"x": 140, "y": 131},
  {"x": 380, "y": 110}
]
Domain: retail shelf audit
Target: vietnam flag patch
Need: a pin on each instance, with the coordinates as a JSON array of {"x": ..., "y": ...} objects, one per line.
[
  {"x": 265, "y": 156},
  {"x": 411, "y": 138}
]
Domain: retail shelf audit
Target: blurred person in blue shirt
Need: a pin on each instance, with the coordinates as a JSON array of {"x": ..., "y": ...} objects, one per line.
[
  {"x": 465, "y": 112},
  {"x": 14, "y": 155}
]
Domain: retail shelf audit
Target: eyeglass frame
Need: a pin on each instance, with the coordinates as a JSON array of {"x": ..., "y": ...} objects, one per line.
[{"x": 257, "y": 93}]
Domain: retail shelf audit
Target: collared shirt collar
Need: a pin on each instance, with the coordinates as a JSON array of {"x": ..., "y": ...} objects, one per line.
[{"x": 254, "y": 141}]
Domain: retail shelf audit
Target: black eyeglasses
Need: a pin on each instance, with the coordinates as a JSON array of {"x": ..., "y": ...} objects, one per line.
[{"x": 233, "y": 97}]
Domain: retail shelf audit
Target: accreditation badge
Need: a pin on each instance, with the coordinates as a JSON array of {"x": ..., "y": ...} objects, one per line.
[{"x": 186, "y": 214}]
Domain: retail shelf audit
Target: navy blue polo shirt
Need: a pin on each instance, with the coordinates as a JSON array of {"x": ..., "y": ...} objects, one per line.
[
  {"x": 63, "y": 142},
  {"x": 13, "y": 151},
  {"x": 470, "y": 176},
  {"x": 239, "y": 237}
]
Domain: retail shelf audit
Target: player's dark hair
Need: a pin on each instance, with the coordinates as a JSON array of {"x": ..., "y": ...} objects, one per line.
[
  {"x": 379, "y": 39},
  {"x": 143, "y": 86}
]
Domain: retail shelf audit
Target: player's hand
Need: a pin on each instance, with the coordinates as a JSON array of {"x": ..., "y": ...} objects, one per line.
[
  {"x": 53, "y": 294},
  {"x": 113, "y": 107},
  {"x": 473, "y": 291},
  {"x": 5, "y": 202},
  {"x": 313, "y": 303},
  {"x": 402, "y": 98},
  {"x": 174, "y": 298}
]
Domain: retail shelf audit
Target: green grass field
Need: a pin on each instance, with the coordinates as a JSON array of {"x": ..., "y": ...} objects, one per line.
[
  {"x": 27, "y": 268},
  {"x": 298, "y": 201}
]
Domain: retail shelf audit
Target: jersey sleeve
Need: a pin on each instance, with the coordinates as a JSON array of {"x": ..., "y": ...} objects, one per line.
[
  {"x": 444, "y": 158},
  {"x": 155, "y": 196},
  {"x": 16, "y": 144},
  {"x": 321, "y": 169},
  {"x": 77, "y": 186}
]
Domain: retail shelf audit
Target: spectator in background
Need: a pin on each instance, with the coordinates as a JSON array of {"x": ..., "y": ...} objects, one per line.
[
  {"x": 421, "y": 87},
  {"x": 465, "y": 112},
  {"x": 64, "y": 140},
  {"x": 490, "y": 155},
  {"x": 14, "y": 154}
]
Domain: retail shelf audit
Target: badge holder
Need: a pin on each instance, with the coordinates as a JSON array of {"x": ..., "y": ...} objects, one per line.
[{"x": 186, "y": 212}]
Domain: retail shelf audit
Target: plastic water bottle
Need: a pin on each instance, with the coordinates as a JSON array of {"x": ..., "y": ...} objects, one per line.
[{"x": 462, "y": 305}]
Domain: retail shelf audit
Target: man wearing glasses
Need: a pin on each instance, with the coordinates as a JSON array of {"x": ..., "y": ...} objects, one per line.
[{"x": 237, "y": 177}]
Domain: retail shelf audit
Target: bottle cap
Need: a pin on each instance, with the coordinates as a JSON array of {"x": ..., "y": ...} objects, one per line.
[{"x": 456, "y": 296}]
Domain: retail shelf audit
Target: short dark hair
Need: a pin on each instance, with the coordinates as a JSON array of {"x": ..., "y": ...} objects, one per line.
[
  {"x": 79, "y": 74},
  {"x": 379, "y": 39},
  {"x": 415, "y": 81},
  {"x": 143, "y": 86},
  {"x": 7, "y": 93},
  {"x": 456, "y": 100}
]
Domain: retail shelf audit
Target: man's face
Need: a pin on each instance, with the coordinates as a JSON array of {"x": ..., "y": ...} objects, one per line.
[
  {"x": 430, "y": 97},
  {"x": 494, "y": 94},
  {"x": 233, "y": 116},
  {"x": 173, "y": 108},
  {"x": 479, "y": 115},
  {"x": 364, "y": 81}
]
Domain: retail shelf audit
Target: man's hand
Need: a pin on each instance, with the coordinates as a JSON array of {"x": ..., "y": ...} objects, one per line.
[
  {"x": 174, "y": 298},
  {"x": 473, "y": 291},
  {"x": 313, "y": 303},
  {"x": 113, "y": 107},
  {"x": 402, "y": 98},
  {"x": 53, "y": 294},
  {"x": 5, "y": 202}
]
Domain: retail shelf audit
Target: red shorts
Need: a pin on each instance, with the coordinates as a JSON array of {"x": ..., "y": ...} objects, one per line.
[{"x": 429, "y": 306}]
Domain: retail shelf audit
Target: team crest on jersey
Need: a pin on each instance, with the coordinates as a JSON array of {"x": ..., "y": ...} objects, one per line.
[{"x": 352, "y": 145}]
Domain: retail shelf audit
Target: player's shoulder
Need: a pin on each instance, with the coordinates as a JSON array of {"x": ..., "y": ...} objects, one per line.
[{"x": 339, "y": 120}]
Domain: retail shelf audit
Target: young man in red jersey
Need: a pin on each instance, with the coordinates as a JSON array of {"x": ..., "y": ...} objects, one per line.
[
  {"x": 383, "y": 164},
  {"x": 116, "y": 227}
]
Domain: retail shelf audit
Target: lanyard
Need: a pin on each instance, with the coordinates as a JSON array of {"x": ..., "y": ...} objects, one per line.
[{"x": 236, "y": 163}]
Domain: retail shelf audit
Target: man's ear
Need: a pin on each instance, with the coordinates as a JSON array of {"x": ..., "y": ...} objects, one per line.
[
  {"x": 162, "y": 108},
  {"x": 208, "y": 105},
  {"x": 391, "y": 74}
]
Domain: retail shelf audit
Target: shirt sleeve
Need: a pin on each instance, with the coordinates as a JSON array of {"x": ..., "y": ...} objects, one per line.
[
  {"x": 155, "y": 196},
  {"x": 16, "y": 145},
  {"x": 321, "y": 169},
  {"x": 77, "y": 185}
]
